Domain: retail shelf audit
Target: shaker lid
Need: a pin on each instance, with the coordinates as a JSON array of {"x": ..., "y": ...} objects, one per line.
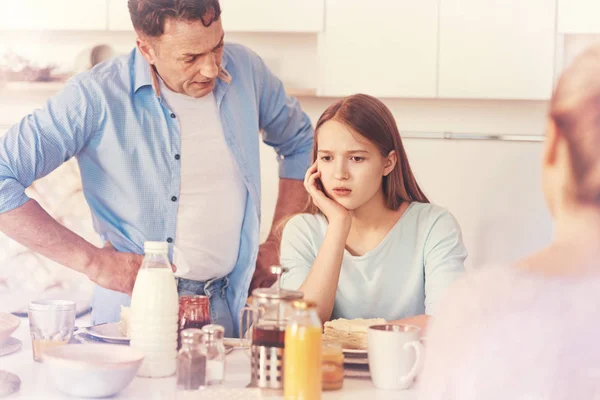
[
  {"x": 213, "y": 331},
  {"x": 192, "y": 333}
]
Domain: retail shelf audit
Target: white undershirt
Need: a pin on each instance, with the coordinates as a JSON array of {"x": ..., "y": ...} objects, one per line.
[{"x": 212, "y": 197}]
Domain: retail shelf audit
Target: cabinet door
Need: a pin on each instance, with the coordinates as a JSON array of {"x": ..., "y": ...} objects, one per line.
[
  {"x": 578, "y": 16},
  {"x": 272, "y": 15},
  {"x": 497, "y": 49},
  {"x": 385, "y": 48},
  {"x": 53, "y": 15},
  {"x": 118, "y": 16}
]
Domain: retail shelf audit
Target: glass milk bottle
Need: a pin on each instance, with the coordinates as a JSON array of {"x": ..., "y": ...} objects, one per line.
[
  {"x": 154, "y": 312},
  {"x": 302, "y": 357}
]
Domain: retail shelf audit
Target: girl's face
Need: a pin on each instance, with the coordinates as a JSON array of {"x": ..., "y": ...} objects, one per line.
[{"x": 352, "y": 168}]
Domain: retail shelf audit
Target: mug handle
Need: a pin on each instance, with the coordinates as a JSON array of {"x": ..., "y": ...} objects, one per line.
[{"x": 412, "y": 374}]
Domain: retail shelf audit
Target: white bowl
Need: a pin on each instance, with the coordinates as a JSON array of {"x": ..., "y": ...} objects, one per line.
[
  {"x": 92, "y": 370},
  {"x": 8, "y": 324}
]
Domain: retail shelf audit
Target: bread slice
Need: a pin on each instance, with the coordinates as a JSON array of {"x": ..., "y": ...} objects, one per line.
[
  {"x": 125, "y": 321},
  {"x": 350, "y": 333}
]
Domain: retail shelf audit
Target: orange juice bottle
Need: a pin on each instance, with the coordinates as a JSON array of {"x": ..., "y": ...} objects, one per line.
[{"x": 302, "y": 354}]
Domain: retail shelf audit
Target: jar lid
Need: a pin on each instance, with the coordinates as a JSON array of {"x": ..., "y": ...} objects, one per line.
[
  {"x": 277, "y": 294},
  {"x": 193, "y": 298},
  {"x": 304, "y": 304}
]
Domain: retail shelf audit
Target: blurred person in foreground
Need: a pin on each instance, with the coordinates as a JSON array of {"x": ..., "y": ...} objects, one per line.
[{"x": 530, "y": 331}]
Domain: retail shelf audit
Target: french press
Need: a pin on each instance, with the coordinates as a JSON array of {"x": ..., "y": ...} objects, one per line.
[{"x": 265, "y": 320}]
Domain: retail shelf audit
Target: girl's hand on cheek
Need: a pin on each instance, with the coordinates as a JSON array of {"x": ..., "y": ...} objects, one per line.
[{"x": 334, "y": 211}]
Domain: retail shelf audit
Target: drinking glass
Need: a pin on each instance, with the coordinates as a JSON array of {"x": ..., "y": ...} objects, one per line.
[{"x": 51, "y": 323}]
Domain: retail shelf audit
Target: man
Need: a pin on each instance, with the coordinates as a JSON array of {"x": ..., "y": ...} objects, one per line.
[{"x": 167, "y": 142}]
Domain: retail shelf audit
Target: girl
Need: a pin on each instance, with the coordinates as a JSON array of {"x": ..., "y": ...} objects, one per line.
[
  {"x": 531, "y": 331},
  {"x": 370, "y": 244}
]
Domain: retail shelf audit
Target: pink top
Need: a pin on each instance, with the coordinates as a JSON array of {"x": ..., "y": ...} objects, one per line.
[{"x": 505, "y": 333}]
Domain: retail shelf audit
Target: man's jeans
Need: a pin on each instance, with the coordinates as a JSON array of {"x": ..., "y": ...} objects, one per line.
[{"x": 216, "y": 290}]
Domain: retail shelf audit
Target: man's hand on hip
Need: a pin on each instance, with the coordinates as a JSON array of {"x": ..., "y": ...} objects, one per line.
[{"x": 114, "y": 270}]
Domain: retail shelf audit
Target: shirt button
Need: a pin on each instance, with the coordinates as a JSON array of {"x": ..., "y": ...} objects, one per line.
[
  {"x": 172, "y": 115},
  {"x": 174, "y": 198},
  {"x": 169, "y": 240},
  {"x": 177, "y": 156}
]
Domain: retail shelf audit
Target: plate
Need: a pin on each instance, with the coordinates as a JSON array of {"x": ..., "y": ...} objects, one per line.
[
  {"x": 10, "y": 346},
  {"x": 108, "y": 332},
  {"x": 358, "y": 371},
  {"x": 355, "y": 356},
  {"x": 355, "y": 352},
  {"x": 356, "y": 361}
]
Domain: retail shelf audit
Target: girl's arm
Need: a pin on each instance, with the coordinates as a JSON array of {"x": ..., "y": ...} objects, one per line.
[
  {"x": 444, "y": 263},
  {"x": 322, "y": 280},
  {"x": 444, "y": 258},
  {"x": 316, "y": 276}
]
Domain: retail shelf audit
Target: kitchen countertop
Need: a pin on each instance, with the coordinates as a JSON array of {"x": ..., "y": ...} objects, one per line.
[{"x": 35, "y": 383}]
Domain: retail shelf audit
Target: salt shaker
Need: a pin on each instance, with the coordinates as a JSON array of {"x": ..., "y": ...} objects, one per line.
[
  {"x": 191, "y": 361},
  {"x": 215, "y": 353}
]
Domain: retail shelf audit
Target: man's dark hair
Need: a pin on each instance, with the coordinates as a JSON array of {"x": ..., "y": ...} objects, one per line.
[{"x": 149, "y": 16}]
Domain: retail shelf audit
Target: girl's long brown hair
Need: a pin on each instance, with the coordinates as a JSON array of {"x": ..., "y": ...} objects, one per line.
[{"x": 372, "y": 120}]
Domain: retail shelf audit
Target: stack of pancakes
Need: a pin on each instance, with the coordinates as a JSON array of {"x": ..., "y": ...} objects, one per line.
[{"x": 350, "y": 333}]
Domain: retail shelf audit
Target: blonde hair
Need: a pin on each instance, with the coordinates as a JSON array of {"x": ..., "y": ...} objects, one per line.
[{"x": 575, "y": 111}]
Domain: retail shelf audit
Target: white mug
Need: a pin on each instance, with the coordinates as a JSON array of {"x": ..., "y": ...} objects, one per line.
[{"x": 395, "y": 355}]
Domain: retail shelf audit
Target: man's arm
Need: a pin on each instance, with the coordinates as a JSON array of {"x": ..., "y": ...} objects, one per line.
[
  {"x": 288, "y": 130},
  {"x": 32, "y": 149},
  {"x": 35, "y": 229},
  {"x": 291, "y": 200}
]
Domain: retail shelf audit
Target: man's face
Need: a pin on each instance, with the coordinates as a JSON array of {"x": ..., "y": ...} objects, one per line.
[{"x": 187, "y": 56}]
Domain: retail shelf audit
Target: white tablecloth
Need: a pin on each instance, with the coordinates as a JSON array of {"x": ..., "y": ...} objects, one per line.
[{"x": 36, "y": 384}]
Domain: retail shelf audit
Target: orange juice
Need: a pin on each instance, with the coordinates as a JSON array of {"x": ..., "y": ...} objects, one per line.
[
  {"x": 302, "y": 356},
  {"x": 39, "y": 345}
]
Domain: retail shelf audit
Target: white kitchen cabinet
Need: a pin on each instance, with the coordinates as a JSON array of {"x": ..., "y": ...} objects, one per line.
[
  {"x": 272, "y": 15},
  {"x": 492, "y": 49},
  {"x": 385, "y": 48},
  {"x": 53, "y": 15},
  {"x": 578, "y": 16},
  {"x": 501, "y": 210},
  {"x": 118, "y": 16}
]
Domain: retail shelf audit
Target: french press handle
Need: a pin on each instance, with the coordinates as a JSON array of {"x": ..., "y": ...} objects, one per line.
[{"x": 278, "y": 270}]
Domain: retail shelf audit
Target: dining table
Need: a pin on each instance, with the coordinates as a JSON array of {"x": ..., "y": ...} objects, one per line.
[{"x": 36, "y": 382}]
